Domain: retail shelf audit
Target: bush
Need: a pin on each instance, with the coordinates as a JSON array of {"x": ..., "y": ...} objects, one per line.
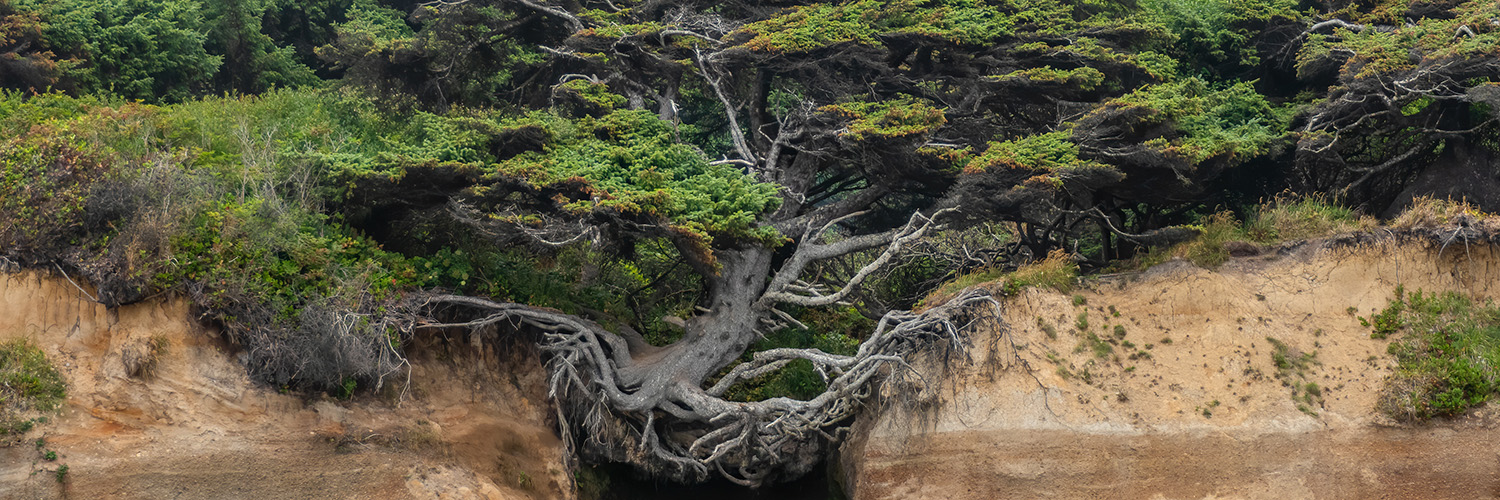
[
  {"x": 1446, "y": 355},
  {"x": 30, "y": 387},
  {"x": 249, "y": 205}
]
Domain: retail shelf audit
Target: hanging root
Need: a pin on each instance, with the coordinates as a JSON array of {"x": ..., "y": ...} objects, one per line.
[{"x": 642, "y": 410}]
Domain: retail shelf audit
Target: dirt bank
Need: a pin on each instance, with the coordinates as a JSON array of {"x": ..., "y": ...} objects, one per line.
[
  {"x": 1195, "y": 407},
  {"x": 472, "y": 423}
]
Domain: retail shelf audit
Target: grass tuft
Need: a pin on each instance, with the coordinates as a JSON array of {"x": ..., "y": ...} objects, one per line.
[
  {"x": 1057, "y": 271},
  {"x": 1428, "y": 212},
  {"x": 1284, "y": 218}
]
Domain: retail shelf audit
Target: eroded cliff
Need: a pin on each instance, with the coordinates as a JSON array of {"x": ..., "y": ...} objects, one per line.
[
  {"x": 471, "y": 424},
  {"x": 1197, "y": 406}
]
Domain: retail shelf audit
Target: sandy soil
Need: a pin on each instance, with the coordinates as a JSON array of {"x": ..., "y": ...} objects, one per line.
[
  {"x": 472, "y": 423},
  {"x": 1206, "y": 415}
]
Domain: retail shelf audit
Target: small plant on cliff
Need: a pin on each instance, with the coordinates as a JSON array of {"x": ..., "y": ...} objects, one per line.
[
  {"x": 29, "y": 386},
  {"x": 1445, "y": 357},
  {"x": 1057, "y": 271},
  {"x": 1292, "y": 366},
  {"x": 142, "y": 358}
]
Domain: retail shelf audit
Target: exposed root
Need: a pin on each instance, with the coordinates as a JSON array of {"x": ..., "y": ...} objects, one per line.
[{"x": 652, "y": 411}]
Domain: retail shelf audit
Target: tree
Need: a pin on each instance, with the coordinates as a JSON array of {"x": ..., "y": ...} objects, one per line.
[
  {"x": 140, "y": 49},
  {"x": 852, "y": 129},
  {"x": 748, "y": 167},
  {"x": 24, "y": 61},
  {"x": 1404, "y": 94}
]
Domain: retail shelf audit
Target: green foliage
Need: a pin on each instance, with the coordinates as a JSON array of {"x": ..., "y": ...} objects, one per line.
[
  {"x": 964, "y": 22},
  {"x": 152, "y": 50},
  {"x": 1049, "y": 152},
  {"x": 249, "y": 176},
  {"x": 27, "y": 64},
  {"x": 1285, "y": 218},
  {"x": 1410, "y": 42},
  {"x": 797, "y": 380},
  {"x": 1293, "y": 370},
  {"x": 1082, "y": 77},
  {"x": 595, "y": 93},
  {"x": 1221, "y": 32},
  {"x": 45, "y": 179},
  {"x": 346, "y": 389},
  {"x": 1234, "y": 122},
  {"x": 254, "y": 62},
  {"x": 1191, "y": 123},
  {"x": 441, "y": 55},
  {"x": 896, "y": 118},
  {"x": 633, "y": 164},
  {"x": 1290, "y": 218},
  {"x": 1057, "y": 272},
  {"x": 1445, "y": 358},
  {"x": 30, "y": 386},
  {"x": 1100, "y": 348}
]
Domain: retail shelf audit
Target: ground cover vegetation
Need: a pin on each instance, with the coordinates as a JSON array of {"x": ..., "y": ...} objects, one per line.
[
  {"x": 31, "y": 390},
  {"x": 1446, "y": 346},
  {"x": 713, "y": 217}
]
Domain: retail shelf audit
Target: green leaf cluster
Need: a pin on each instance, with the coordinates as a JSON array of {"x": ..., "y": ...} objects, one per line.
[
  {"x": 152, "y": 50},
  {"x": 1234, "y": 122},
  {"x": 632, "y": 163},
  {"x": 1220, "y": 32},
  {"x": 863, "y": 22},
  {"x": 901, "y": 117},
  {"x": 1467, "y": 32}
]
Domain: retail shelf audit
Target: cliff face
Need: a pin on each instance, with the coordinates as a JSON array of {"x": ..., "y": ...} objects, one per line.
[
  {"x": 472, "y": 423},
  {"x": 1206, "y": 416}
]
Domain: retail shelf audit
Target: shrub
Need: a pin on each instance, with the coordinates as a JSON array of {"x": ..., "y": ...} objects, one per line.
[
  {"x": 1301, "y": 217},
  {"x": 30, "y": 386},
  {"x": 1445, "y": 357}
]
